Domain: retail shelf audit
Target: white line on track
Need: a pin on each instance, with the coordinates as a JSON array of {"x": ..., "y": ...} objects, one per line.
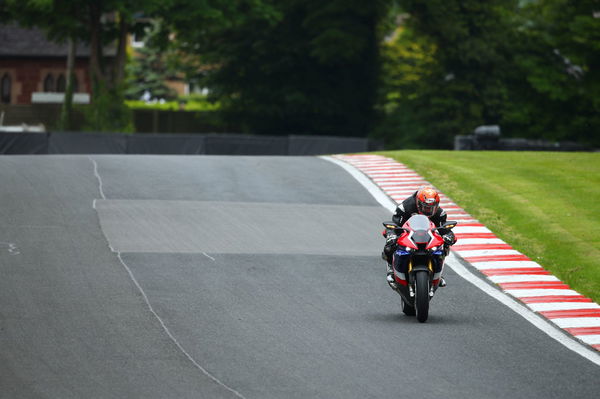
[
  {"x": 208, "y": 256},
  {"x": 541, "y": 323},
  {"x": 151, "y": 309},
  {"x": 98, "y": 178},
  {"x": 11, "y": 247},
  {"x": 375, "y": 191},
  {"x": 168, "y": 332}
]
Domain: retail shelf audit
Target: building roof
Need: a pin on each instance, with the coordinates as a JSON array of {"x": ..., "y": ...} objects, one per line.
[{"x": 16, "y": 41}]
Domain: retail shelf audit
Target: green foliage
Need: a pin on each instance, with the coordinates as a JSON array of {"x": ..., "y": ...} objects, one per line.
[
  {"x": 148, "y": 70},
  {"x": 62, "y": 19},
  {"x": 528, "y": 200},
  {"x": 555, "y": 90},
  {"x": 108, "y": 112},
  {"x": 448, "y": 62},
  {"x": 193, "y": 102},
  {"x": 97, "y": 24},
  {"x": 292, "y": 65},
  {"x": 408, "y": 63},
  {"x": 308, "y": 66},
  {"x": 40, "y": 13},
  {"x": 454, "y": 65}
]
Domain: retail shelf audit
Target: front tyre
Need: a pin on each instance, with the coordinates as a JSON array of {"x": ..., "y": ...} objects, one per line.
[{"x": 422, "y": 295}]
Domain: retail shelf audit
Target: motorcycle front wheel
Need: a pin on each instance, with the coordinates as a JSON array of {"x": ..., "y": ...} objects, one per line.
[{"x": 422, "y": 295}]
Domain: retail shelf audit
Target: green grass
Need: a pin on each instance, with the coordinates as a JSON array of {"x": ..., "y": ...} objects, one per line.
[
  {"x": 545, "y": 204},
  {"x": 192, "y": 103}
]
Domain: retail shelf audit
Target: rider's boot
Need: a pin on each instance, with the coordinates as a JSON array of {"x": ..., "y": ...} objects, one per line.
[
  {"x": 390, "y": 277},
  {"x": 442, "y": 282}
]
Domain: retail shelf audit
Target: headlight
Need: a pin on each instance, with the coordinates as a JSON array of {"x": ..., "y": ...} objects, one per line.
[{"x": 403, "y": 250}]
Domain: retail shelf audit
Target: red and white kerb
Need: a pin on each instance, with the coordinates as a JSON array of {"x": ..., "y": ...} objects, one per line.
[{"x": 513, "y": 272}]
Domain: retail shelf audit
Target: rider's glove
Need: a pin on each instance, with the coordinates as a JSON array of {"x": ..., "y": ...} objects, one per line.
[
  {"x": 449, "y": 238},
  {"x": 391, "y": 239}
]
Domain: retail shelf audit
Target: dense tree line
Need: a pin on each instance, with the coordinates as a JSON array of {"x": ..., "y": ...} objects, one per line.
[
  {"x": 529, "y": 66},
  {"x": 289, "y": 66},
  {"x": 414, "y": 72}
]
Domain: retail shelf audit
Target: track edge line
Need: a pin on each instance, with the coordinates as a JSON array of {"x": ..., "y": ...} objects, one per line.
[{"x": 570, "y": 342}]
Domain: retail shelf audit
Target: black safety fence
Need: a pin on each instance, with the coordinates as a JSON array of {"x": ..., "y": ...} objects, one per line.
[
  {"x": 210, "y": 144},
  {"x": 490, "y": 138}
]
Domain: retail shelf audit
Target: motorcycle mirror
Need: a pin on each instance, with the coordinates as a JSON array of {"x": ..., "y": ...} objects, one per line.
[
  {"x": 447, "y": 226},
  {"x": 450, "y": 224},
  {"x": 393, "y": 226}
]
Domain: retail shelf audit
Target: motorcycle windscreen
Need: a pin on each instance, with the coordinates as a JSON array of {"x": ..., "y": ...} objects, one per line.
[{"x": 420, "y": 224}]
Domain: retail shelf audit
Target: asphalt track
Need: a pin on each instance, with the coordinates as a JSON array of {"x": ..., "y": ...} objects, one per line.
[{"x": 263, "y": 280}]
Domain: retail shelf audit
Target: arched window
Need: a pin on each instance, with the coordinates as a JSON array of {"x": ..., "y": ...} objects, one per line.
[
  {"x": 61, "y": 84},
  {"x": 49, "y": 83},
  {"x": 5, "y": 84}
]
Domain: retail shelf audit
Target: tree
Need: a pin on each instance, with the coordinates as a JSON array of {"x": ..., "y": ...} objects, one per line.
[
  {"x": 149, "y": 69},
  {"x": 555, "y": 92},
  {"x": 31, "y": 13},
  {"x": 464, "y": 50},
  {"x": 408, "y": 64},
  {"x": 65, "y": 115},
  {"x": 531, "y": 67},
  {"x": 289, "y": 66},
  {"x": 101, "y": 25}
]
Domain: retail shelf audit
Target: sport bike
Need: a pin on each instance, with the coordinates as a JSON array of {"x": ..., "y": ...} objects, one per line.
[{"x": 418, "y": 262}]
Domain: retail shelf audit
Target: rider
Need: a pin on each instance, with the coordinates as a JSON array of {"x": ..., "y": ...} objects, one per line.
[{"x": 425, "y": 201}]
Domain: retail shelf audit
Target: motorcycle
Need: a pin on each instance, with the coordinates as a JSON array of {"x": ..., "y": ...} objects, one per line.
[{"x": 418, "y": 262}]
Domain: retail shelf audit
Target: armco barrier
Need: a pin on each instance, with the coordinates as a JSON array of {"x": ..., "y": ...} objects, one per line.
[
  {"x": 239, "y": 144},
  {"x": 166, "y": 144},
  {"x": 210, "y": 144},
  {"x": 88, "y": 143},
  {"x": 303, "y": 145},
  {"x": 474, "y": 142},
  {"x": 23, "y": 143}
]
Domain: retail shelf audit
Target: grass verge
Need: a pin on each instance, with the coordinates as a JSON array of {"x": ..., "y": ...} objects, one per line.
[{"x": 545, "y": 204}]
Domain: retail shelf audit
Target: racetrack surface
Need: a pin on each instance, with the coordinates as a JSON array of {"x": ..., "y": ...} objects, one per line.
[{"x": 265, "y": 271}]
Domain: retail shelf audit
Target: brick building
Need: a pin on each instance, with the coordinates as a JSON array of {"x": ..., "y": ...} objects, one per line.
[{"x": 30, "y": 63}]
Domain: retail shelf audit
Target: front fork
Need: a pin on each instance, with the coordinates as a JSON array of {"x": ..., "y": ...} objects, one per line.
[{"x": 404, "y": 267}]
